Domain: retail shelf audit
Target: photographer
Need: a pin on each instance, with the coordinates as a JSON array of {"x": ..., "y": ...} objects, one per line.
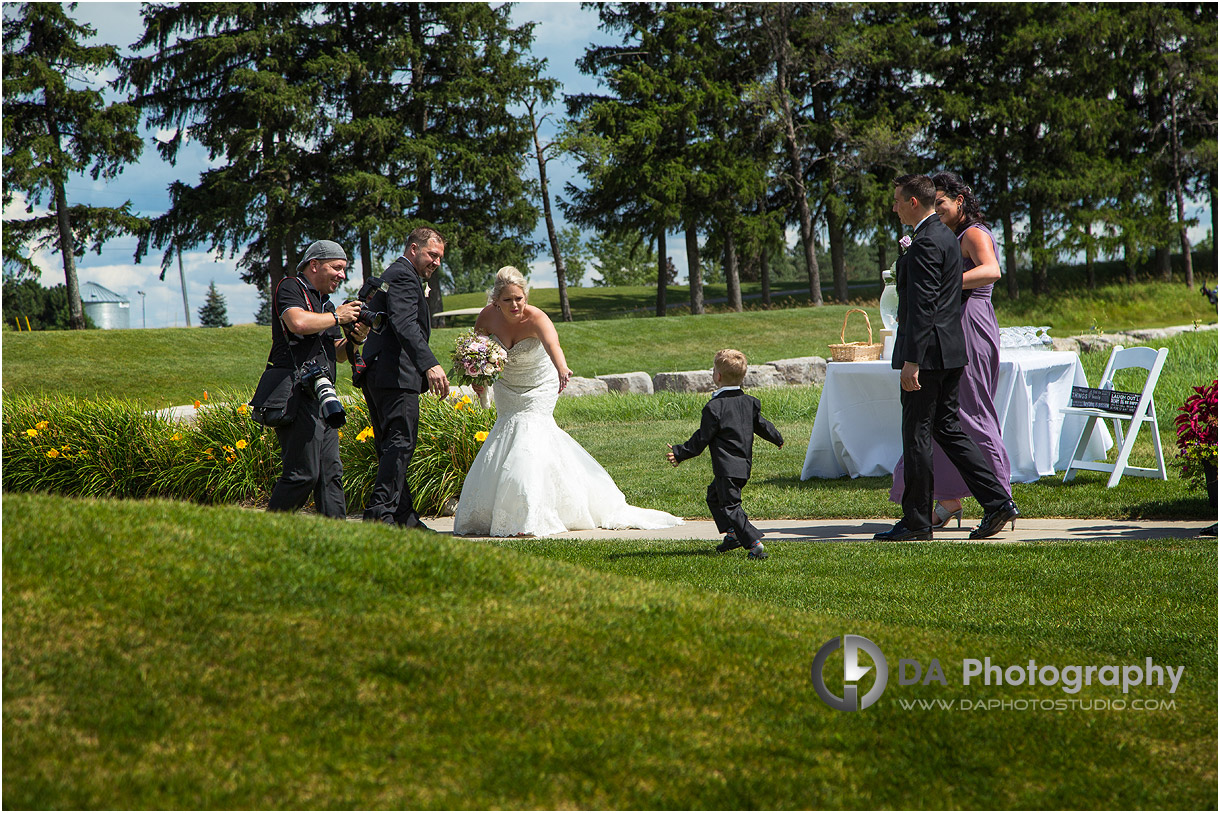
[{"x": 306, "y": 339}]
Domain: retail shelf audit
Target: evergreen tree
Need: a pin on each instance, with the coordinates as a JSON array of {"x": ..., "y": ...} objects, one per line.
[
  {"x": 236, "y": 77},
  {"x": 784, "y": 28},
  {"x": 262, "y": 316},
  {"x": 427, "y": 128},
  {"x": 54, "y": 130},
  {"x": 213, "y": 313},
  {"x": 27, "y": 305},
  {"x": 636, "y": 145}
]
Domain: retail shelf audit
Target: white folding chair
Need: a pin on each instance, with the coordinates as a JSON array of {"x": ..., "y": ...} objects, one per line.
[{"x": 1145, "y": 412}]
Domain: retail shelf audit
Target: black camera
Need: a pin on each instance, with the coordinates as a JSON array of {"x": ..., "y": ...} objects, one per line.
[
  {"x": 316, "y": 380},
  {"x": 374, "y": 319}
]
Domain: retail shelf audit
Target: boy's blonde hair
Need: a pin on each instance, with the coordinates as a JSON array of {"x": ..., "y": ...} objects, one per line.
[{"x": 731, "y": 364}]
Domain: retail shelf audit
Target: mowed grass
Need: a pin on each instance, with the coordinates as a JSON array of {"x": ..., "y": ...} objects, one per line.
[
  {"x": 628, "y": 434},
  {"x": 163, "y": 655},
  {"x": 171, "y": 366}
]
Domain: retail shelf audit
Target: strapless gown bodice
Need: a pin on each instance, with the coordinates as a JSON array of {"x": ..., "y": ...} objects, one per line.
[{"x": 530, "y": 477}]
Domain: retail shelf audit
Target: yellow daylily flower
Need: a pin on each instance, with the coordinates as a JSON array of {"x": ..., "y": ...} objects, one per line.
[
  {"x": 53, "y": 453},
  {"x": 241, "y": 444},
  {"x": 33, "y": 433},
  {"x": 40, "y": 425},
  {"x": 480, "y": 436},
  {"x": 243, "y": 410}
]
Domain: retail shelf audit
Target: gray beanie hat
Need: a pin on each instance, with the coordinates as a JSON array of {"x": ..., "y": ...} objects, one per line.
[{"x": 322, "y": 250}]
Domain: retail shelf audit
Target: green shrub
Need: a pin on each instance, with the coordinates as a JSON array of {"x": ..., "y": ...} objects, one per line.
[{"x": 112, "y": 448}]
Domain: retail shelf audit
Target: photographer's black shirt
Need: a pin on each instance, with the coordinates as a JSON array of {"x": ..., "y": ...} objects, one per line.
[{"x": 289, "y": 350}]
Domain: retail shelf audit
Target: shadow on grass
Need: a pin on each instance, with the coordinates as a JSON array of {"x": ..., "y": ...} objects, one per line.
[
  {"x": 843, "y": 483},
  {"x": 660, "y": 553}
]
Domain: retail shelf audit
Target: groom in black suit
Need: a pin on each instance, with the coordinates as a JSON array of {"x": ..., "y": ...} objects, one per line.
[
  {"x": 930, "y": 349},
  {"x": 400, "y": 367}
]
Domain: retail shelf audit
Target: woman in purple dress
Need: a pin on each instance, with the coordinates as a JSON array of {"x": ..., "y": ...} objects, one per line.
[{"x": 959, "y": 210}]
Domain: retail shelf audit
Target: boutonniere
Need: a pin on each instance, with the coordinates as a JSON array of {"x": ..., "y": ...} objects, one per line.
[
  {"x": 904, "y": 244},
  {"x": 427, "y": 290}
]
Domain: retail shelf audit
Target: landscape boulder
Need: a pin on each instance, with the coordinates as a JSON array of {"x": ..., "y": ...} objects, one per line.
[
  {"x": 798, "y": 371},
  {"x": 688, "y": 381},
  {"x": 1100, "y": 342},
  {"x": 578, "y": 386},
  {"x": 763, "y": 375},
  {"x": 640, "y": 383}
]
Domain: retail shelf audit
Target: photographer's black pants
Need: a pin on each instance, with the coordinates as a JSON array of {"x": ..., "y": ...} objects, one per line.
[
  {"x": 396, "y": 422},
  {"x": 309, "y": 450}
]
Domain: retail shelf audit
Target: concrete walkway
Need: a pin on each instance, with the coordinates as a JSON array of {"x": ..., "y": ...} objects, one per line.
[{"x": 858, "y": 530}]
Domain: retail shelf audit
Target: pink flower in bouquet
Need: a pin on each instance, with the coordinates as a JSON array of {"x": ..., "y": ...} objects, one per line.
[{"x": 477, "y": 361}]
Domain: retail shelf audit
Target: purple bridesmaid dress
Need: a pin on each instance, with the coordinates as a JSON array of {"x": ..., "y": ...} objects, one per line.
[{"x": 976, "y": 408}]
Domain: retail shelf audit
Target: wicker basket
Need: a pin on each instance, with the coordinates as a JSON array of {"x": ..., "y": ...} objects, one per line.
[{"x": 855, "y": 351}]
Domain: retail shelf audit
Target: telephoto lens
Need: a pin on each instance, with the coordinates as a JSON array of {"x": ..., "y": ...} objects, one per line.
[
  {"x": 374, "y": 319},
  {"x": 332, "y": 409}
]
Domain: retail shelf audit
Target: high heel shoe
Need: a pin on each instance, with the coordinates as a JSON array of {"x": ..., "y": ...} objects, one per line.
[
  {"x": 995, "y": 520},
  {"x": 943, "y": 515}
]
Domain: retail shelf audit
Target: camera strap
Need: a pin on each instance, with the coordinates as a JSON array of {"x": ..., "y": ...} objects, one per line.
[{"x": 284, "y": 326}]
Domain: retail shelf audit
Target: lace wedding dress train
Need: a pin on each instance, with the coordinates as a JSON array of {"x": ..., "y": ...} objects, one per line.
[{"x": 530, "y": 477}]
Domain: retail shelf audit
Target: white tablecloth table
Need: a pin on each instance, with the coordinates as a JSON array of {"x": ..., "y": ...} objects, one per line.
[{"x": 858, "y": 427}]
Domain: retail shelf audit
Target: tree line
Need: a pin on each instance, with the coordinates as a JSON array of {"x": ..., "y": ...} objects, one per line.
[{"x": 1084, "y": 128}]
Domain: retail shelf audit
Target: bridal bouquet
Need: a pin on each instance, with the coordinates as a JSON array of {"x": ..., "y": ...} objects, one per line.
[{"x": 477, "y": 359}]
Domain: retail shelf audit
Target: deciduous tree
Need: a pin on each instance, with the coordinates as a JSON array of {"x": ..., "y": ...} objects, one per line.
[{"x": 57, "y": 125}]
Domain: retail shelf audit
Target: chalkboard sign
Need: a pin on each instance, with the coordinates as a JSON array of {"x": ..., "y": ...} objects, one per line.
[{"x": 1108, "y": 400}]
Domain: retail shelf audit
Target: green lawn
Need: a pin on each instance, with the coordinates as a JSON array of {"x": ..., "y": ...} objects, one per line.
[
  {"x": 171, "y": 366},
  {"x": 209, "y": 658},
  {"x": 169, "y": 655}
]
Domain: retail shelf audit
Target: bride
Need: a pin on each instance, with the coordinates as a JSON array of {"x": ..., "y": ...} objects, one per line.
[{"x": 530, "y": 477}]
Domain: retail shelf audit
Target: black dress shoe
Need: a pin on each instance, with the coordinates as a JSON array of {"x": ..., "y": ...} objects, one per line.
[
  {"x": 730, "y": 543},
  {"x": 419, "y": 526},
  {"x": 901, "y": 533},
  {"x": 993, "y": 521}
]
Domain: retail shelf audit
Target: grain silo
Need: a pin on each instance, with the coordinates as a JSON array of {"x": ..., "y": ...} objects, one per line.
[{"x": 108, "y": 310}]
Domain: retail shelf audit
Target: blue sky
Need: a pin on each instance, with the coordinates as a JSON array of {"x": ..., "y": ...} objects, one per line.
[{"x": 563, "y": 32}]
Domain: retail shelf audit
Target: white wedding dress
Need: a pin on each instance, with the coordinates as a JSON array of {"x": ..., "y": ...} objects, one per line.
[{"x": 530, "y": 477}]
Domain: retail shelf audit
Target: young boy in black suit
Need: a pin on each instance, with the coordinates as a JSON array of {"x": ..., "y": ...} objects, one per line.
[{"x": 730, "y": 421}]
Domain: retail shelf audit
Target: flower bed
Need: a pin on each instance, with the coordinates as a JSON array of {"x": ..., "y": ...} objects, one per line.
[{"x": 112, "y": 448}]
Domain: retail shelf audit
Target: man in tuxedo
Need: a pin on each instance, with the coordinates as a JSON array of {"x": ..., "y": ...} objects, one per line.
[
  {"x": 401, "y": 366},
  {"x": 930, "y": 350}
]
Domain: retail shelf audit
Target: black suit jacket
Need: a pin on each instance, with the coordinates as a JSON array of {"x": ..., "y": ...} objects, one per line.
[
  {"x": 399, "y": 355},
  {"x": 729, "y": 423},
  {"x": 929, "y": 284}
]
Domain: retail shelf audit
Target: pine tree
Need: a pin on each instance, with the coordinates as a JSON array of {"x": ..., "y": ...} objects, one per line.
[
  {"x": 236, "y": 77},
  {"x": 53, "y": 131},
  {"x": 213, "y": 313},
  {"x": 262, "y": 316}
]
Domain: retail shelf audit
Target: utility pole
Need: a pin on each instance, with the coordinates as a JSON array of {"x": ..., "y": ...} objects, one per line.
[{"x": 186, "y": 307}]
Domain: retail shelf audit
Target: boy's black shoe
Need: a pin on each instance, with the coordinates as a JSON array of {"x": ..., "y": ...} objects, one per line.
[
  {"x": 901, "y": 533},
  {"x": 757, "y": 551},
  {"x": 730, "y": 543}
]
